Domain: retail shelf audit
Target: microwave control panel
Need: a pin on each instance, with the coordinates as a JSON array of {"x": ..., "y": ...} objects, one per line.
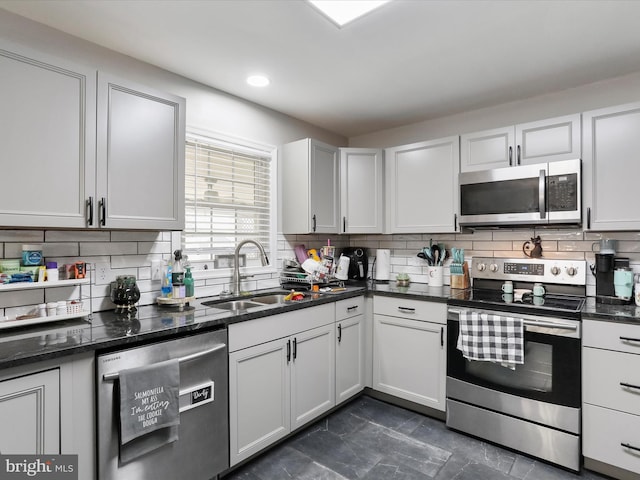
[{"x": 562, "y": 193}]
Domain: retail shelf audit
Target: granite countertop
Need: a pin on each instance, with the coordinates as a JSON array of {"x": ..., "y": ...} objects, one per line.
[
  {"x": 418, "y": 291},
  {"x": 612, "y": 313},
  {"x": 108, "y": 330}
]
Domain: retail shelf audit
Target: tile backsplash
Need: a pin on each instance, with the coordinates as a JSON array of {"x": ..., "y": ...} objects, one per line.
[
  {"x": 556, "y": 243},
  {"x": 131, "y": 253}
]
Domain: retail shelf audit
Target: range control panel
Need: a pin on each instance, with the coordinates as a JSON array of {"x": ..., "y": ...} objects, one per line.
[{"x": 569, "y": 272}]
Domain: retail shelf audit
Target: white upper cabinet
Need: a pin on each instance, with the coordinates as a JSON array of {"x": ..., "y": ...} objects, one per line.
[
  {"x": 610, "y": 167},
  {"x": 422, "y": 186},
  {"x": 361, "y": 184},
  {"x": 543, "y": 141},
  {"x": 47, "y": 139},
  {"x": 141, "y": 136},
  {"x": 310, "y": 194},
  {"x": 111, "y": 157}
]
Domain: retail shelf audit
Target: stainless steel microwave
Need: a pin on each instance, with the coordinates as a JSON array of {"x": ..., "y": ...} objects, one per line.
[{"x": 540, "y": 194}]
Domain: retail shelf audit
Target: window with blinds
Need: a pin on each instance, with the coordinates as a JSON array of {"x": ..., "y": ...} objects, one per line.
[{"x": 228, "y": 198}]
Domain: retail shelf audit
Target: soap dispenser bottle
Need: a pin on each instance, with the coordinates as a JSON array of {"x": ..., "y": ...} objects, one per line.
[{"x": 188, "y": 283}]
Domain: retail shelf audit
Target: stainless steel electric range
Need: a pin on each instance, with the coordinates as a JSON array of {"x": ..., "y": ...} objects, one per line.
[{"x": 535, "y": 407}]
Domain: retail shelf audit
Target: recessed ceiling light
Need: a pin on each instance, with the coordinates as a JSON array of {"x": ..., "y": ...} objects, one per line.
[
  {"x": 342, "y": 12},
  {"x": 258, "y": 81}
]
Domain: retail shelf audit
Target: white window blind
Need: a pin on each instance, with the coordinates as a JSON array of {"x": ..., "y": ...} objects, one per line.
[{"x": 228, "y": 190}]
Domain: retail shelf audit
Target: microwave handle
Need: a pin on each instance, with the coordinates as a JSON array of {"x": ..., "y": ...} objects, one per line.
[{"x": 541, "y": 194}]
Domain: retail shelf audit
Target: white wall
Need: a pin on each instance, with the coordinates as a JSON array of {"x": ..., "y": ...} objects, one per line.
[{"x": 590, "y": 96}]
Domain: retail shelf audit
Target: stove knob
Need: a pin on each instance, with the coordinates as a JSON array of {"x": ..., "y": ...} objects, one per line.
[
  {"x": 555, "y": 271},
  {"x": 572, "y": 271},
  {"x": 481, "y": 267},
  {"x": 493, "y": 267}
]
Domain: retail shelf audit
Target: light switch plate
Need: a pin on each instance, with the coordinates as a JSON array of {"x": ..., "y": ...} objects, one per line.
[{"x": 156, "y": 270}]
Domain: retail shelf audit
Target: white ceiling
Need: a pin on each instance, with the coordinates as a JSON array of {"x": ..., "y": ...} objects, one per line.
[{"x": 411, "y": 60}]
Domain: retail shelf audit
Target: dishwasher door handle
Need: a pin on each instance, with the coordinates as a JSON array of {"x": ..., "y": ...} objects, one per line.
[{"x": 110, "y": 377}]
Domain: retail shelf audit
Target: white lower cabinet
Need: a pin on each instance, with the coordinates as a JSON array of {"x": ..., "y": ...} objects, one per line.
[
  {"x": 30, "y": 410},
  {"x": 312, "y": 374},
  {"x": 409, "y": 350},
  {"x": 281, "y": 376},
  {"x": 350, "y": 333},
  {"x": 50, "y": 410},
  {"x": 610, "y": 389}
]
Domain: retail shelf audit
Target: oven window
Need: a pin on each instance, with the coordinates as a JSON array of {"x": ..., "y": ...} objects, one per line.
[
  {"x": 550, "y": 372},
  {"x": 506, "y": 196},
  {"x": 534, "y": 375}
]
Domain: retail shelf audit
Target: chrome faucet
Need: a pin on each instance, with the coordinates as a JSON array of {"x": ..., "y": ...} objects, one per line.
[{"x": 236, "y": 263}]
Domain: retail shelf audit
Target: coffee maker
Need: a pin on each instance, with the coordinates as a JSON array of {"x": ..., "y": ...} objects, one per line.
[
  {"x": 358, "y": 262},
  {"x": 604, "y": 268}
]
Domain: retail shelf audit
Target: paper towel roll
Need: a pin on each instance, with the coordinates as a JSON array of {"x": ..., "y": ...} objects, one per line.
[{"x": 383, "y": 264}]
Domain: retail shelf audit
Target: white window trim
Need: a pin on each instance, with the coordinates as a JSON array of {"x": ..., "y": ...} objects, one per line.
[{"x": 253, "y": 147}]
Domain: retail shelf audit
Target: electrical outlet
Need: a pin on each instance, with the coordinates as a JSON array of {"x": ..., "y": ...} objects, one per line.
[
  {"x": 103, "y": 273},
  {"x": 156, "y": 270}
]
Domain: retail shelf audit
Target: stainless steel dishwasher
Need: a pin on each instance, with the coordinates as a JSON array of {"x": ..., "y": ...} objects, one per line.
[{"x": 202, "y": 449}]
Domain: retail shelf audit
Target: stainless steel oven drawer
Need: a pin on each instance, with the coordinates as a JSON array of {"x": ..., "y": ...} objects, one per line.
[{"x": 553, "y": 445}]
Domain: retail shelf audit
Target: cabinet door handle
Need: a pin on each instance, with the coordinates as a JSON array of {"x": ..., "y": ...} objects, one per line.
[
  {"x": 288, "y": 351},
  {"x": 314, "y": 222},
  {"x": 407, "y": 310},
  {"x": 339, "y": 332},
  {"x": 518, "y": 156},
  {"x": 629, "y": 385},
  {"x": 103, "y": 211},
  {"x": 629, "y": 339},
  {"x": 344, "y": 224},
  {"x": 588, "y": 218},
  {"x": 351, "y": 309},
  {"x": 627, "y": 445},
  {"x": 510, "y": 156},
  {"x": 455, "y": 221},
  {"x": 90, "y": 211},
  {"x": 295, "y": 348},
  {"x": 442, "y": 336}
]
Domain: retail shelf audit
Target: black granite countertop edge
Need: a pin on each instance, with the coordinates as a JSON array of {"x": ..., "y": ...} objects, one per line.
[
  {"x": 109, "y": 331},
  {"x": 629, "y": 313}
]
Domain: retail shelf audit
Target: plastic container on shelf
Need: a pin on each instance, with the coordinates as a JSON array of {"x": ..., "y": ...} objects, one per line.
[
  {"x": 52, "y": 272},
  {"x": 61, "y": 309},
  {"x": 32, "y": 255}
]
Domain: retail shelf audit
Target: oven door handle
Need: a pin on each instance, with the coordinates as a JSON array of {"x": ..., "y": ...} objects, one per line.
[
  {"x": 535, "y": 323},
  {"x": 561, "y": 326}
]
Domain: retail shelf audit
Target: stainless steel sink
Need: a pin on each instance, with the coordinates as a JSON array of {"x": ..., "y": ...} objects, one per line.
[
  {"x": 270, "y": 299},
  {"x": 234, "y": 305},
  {"x": 259, "y": 300}
]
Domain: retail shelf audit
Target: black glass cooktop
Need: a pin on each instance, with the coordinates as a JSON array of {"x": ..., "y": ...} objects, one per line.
[{"x": 558, "y": 304}]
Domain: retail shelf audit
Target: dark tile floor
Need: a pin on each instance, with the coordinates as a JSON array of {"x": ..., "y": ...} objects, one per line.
[{"x": 371, "y": 440}]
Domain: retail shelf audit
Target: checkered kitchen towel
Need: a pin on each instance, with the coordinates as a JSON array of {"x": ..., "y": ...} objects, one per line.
[{"x": 491, "y": 338}]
